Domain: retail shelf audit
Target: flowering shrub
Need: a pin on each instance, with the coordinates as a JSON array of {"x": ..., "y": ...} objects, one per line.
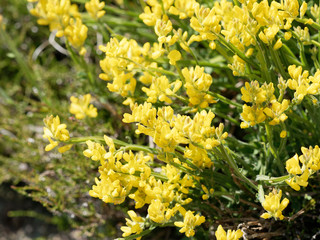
[{"x": 223, "y": 96}]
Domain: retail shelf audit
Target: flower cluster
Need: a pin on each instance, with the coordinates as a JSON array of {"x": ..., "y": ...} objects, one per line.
[
  {"x": 310, "y": 160},
  {"x": 63, "y": 17},
  {"x": 168, "y": 130},
  {"x": 221, "y": 234},
  {"x": 80, "y": 107},
  {"x": 264, "y": 105},
  {"x": 94, "y": 8},
  {"x": 54, "y": 132},
  {"x": 125, "y": 174},
  {"x": 302, "y": 83},
  {"x": 274, "y": 206}
]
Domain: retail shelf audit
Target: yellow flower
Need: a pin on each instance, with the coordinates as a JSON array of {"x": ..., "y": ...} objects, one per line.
[
  {"x": 283, "y": 134},
  {"x": 252, "y": 115},
  {"x": 287, "y": 35},
  {"x": 276, "y": 111},
  {"x": 134, "y": 225},
  {"x": 81, "y": 108},
  {"x": 310, "y": 160},
  {"x": 278, "y": 44},
  {"x": 54, "y": 130},
  {"x": 95, "y": 151},
  {"x": 65, "y": 148},
  {"x": 174, "y": 56},
  {"x": 303, "y": 9},
  {"x": 238, "y": 66},
  {"x": 156, "y": 211},
  {"x": 183, "y": 8},
  {"x": 76, "y": 33},
  {"x": 197, "y": 84},
  {"x": 161, "y": 89},
  {"x": 190, "y": 221},
  {"x": 273, "y": 206},
  {"x": 230, "y": 235},
  {"x": 94, "y": 8},
  {"x": 292, "y": 165},
  {"x": 253, "y": 93},
  {"x": 162, "y": 28},
  {"x": 151, "y": 14}
]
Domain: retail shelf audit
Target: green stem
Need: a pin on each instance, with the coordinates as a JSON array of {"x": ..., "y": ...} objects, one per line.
[
  {"x": 302, "y": 55},
  {"x": 277, "y": 62},
  {"x": 314, "y": 24},
  {"x": 293, "y": 59},
  {"x": 163, "y": 71},
  {"x": 234, "y": 166},
  {"x": 181, "y": 98},
  {"x": 262, "y": 59},
  {"x": 203, "y": 63},
  {"x": 272, "y": 149},
  {"x": 272, "y": 180},
  {"x": 85, "y": 66},
  {"x": 236, "y": 51},
  {"x": 224, "y": 99},
  {"x": 180, "y": 73},
  {"x": 126, "y": 146},
  {"x": 102, "y": 30},
  {"x": 224, "y": 116}
]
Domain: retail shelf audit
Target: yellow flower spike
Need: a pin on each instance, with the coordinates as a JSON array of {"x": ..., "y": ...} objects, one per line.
[
  {"x": 292, "y": 183},
  {"x": 52, "y": 145},
  {"x": 276, "y": 111},
  {"x": 273, "y": 206},
  {"x": 303, "y": 9},
  {"x": 199, "y": 156},
  {"x": 76, "y": 33},
  {"x": 65, "y": 148},
  {"x": 197, "y": 84},
  {"x": 183, "y": 8},
  {"x": 174, "y": 56},
  {"x": 252, "y": 92},
  {"x": 189, "y": 223},
  {"x": 162, "y": 28},
  {"x": 54, "y": 129},
  {"x": 95, "y": 151},
  {"x": 161, "y": 89},
  {"x": 314, "y": 10},
  {"x": 230, "y": 235},
  {"x": 249, "y": 52},
  {"x": 278, "y": 44},
  {"x": 303, "y": 34},
  {"x": 156, "y": 211},
  {"x": 252, "y": 115},
  {"x": 292, "y": 165},
  {"x": 311, "y": 157},
  {"x": 287, "y": 35},
  {"x": 94, "y": 8},
  {"x": 283, "y": 134},
  {"x": 206, "y": 191},
  {"x": 151, "y": 14},
  {"x": 134, "y": 225},
  {"x": 56, "y": 14},
  {"x": 302, "y": 83},
  {"x": 81, "y": 108},
  {"x": 238, "y": 66}
]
